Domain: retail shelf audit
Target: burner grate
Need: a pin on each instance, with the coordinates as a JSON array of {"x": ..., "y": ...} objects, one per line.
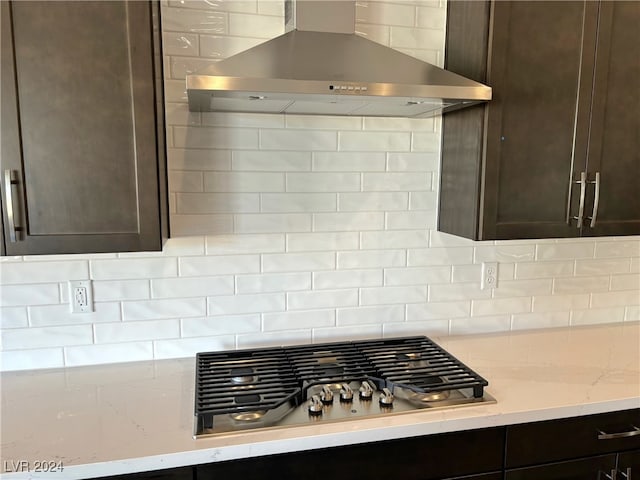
[{"x": 234, "y": 388}]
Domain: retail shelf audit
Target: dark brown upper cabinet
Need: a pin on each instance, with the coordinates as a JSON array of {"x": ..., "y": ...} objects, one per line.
[
  {"x": 83, "y": 155},
  {"x": 555, "y": 153}
]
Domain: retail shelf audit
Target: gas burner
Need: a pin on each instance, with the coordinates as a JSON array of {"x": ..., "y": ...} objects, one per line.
[
  {"x": 289, "y": 386},
  {"x": 242, "y": 376}
]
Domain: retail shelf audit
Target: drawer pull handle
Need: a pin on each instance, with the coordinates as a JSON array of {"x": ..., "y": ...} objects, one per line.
[{"x": 613, "y": 436}]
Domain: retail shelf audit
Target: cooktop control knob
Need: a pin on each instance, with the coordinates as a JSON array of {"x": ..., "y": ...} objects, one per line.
[
  {"x": 366, "y": 391},
  {"x": 315, "y": 405},
  {"x": 326, "y": 396},
  {"x": 346, "y": 394},
  {"x": 386, "y": 398}
]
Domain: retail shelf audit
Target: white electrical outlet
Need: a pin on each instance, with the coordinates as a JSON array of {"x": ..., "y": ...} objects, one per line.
[
  {"x": 489, "y": 275},
  {"x": 81, "y": 296}
]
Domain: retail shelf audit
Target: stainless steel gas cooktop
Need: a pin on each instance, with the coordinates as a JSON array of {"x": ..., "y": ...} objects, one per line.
[{"x": 298, "y": 385}]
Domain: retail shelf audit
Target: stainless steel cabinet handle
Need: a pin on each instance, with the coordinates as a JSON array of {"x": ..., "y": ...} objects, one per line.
[
  {"x": 613, "y": 436},
  {"x": 583, "y": 193},
  {"x": 596, "y": 200},
  {"x": 626, "y": 474},
  {"x": 608, "y": 476},
  {"x": 9, "y": 181}
]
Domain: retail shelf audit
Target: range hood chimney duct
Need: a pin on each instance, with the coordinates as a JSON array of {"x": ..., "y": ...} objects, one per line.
[{"x": 320, "y": 66}]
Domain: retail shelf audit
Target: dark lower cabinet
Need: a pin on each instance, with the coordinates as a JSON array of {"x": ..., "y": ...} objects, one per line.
[
  {"x": 593, "y": 468},
  {"x": 82, "y": 156},
  {"x": 182, "y": 473},
  {"x": 471, "y": 454}
]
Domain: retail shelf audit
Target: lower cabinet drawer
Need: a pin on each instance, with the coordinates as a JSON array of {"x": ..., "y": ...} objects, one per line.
[
  {"x": 432, "y": 457},
  {"x": 571, "y": 438},
  {"x": 592, "y": 468}
]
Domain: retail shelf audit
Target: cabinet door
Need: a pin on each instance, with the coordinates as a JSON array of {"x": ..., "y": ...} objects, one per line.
[
  {"x": 79, "y": 140},
  {"x": 537, "y": 123},
  {"x": 593, "y": 468},
  {"x": 629, "y": 464},
  {"x": 614, "y": 149}
]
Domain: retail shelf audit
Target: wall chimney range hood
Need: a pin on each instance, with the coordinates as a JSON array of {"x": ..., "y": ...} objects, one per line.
[{"x": 322, "y": 67}]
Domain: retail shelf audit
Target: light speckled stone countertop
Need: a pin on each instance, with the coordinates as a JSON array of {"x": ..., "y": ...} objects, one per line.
[{"x": 123, "y": 418}]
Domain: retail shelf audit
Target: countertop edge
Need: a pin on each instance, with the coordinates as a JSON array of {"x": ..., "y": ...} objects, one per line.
[{"x": 304, "y": 442}]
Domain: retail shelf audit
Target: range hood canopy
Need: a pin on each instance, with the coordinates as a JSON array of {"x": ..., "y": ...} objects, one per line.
[{"x": 322, "y": 67}]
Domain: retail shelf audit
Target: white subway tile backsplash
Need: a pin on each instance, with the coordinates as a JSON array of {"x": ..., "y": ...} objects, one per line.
[
  {"x": 308, "y": 242},
  {"x": 261, "y": 161},
  {"x": 297, "y": 320},
  {"x": 580, "y": 284},
  {"x": 192, "y": 287},
  {"x": 180, "y": 43},
  {"x": 215, "y": 137},
  {"x": 528, "y": 270},
  {"x": 322, "y": 299},
  {"x": 372, "y": 201},
  {"x": 365, "y": 315},
  {"x": 296, "y": 262},
  {"x": 562, "y": 251},
  {"x": 163, "y": 308},
  {"x": 606, "y": 249},
  {"x": 522, "y": 321},
  {"x": 391, "y": 295},
  {"x": 298, "y": 140},
  {"x": 272, "y": 223},
  {"x": 394, "y": 239},
  {"x": 136, "y": 331},
  {"x": 387, "y": 13},
  {"x": 600, "y": 267},
  {"x": 340, "y": 212},
  {"x": 188, "y": 347},
  {"x": 348, "y": 161},
  {"x": 211, "y": 326},
  {"x": 42, "y": 316},
  {"x": 272, "y": 283},
  {"x": 374, "y": 141},
  {"x": 221, "y": 47},
  {"x": 338, "y": 222},
  {"x": 243, "y": 182},
  {"x": 429, "y": 328},
  {"x": 96, "y": 354},
  {"x": 372, "y": 259},
  {"x": 438, "y": 310},
  {"x": 184, "y": 224},
  {"x": 323, "y": 182},
  {"x": 298, "y": 202},
  {"x": 35, "y": 358},
  {"x": 43, "y": 272},
  {"x": 556, "y": 303},
  {"x": 347, "y": 278},
  {"x": 37, "y": 294},
  {"x": 13, "y": 317},
  {"x": 496, "y": 306},
  {"x": 133, "y": 268},
  {"x": 360, "y": 332},
  {"x": 236, "y": 304},
  {"x": 49, "y": 336},
  {"x": 615, "y": 299},
  {"x": 597, "y": 316},
  {"x": 417, "y": 275},
  {"x": 439, "y": 256},
  {"x": 468, "y": 326},
  {"x": 239, "y": 244},
  {"x": 192, "y": 159},
  {"x": 193, "y": 21},
  {"x": 219, "y": 265}
]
